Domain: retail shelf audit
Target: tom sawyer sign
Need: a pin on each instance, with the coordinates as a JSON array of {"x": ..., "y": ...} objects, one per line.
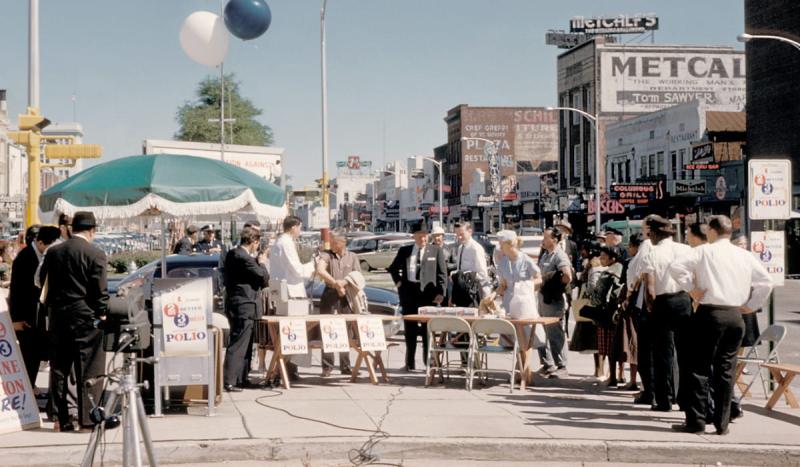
[{"x": 642, "y": 80}]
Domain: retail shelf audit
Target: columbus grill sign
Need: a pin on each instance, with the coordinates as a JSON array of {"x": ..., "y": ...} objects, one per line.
[{"x": 643, "y": 81}]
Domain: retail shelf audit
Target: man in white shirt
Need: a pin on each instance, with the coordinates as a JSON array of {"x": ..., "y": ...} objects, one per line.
[
  {"x": 727, "y": 281},
  {"x": 284, "y": 264},
  {"x": 671, "y": 313},
  {"x": 638, "y": 249},
  {"x": 470, "y": 259}
]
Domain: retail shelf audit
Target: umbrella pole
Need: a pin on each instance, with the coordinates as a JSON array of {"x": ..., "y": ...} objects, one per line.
[{"x": 163, "y": 247}]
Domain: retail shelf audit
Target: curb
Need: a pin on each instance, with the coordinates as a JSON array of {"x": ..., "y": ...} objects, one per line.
[{"x": 508, "y": 449}]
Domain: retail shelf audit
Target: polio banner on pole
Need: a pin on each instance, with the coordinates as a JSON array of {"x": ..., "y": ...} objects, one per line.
[
  {"x": 18, "y": 409},
  {"x": 769, "y": 248},
  {"x": 770, "y": 189},
  {"x": 184, "y": 308}
]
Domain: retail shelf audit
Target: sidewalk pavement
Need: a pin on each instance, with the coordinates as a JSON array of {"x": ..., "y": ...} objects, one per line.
[{"x": 324, "y": 421}]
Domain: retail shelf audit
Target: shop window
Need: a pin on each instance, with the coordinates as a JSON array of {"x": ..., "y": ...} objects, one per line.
[{"x": 660, "y": 163}]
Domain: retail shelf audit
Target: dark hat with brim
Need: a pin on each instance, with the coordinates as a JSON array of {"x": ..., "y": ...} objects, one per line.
[
  {"x": 564, "y": 224},
  {"x": 660, "y": 224},
  {"x": 613, "y": 231},
  {"x": 84, "y": 219},
  {"x": 419, "y": 228}
]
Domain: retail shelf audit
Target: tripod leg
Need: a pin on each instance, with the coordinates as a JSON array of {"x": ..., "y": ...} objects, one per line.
[
  {"x": 133, "y": 426},
  {"x": 148, "y": 442},
  {"x": 126, "y": 430},
  {"x": 97, "y": 433}
]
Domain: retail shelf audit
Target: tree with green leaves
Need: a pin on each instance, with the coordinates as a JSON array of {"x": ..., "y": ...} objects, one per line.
[{"x": 193, "y": 116}]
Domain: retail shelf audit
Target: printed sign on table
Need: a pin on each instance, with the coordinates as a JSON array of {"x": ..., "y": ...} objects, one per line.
[
  {"x": 370, "y": 333},
  {"x": 18, "y": 409},
  {"x": 770, "y": 189},
  {"x": 334, "y": 335},
  {"x": 184, "y": 309},
  {"x": 769, "y": 248},
  {"x": 294, "y": 338}
]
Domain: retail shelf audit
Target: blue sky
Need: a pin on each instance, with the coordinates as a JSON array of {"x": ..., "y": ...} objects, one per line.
[{"x": 392, "y": 64}]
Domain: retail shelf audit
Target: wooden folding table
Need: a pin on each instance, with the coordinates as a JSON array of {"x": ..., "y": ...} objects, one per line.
[
  {"x": 783, "y": 373},
  {"x": 525, "y": 343},
  {"x": 370, "y": 360}
]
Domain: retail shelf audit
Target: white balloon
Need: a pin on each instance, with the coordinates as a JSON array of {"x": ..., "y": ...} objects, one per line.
[{"x": 204, "y": 38}]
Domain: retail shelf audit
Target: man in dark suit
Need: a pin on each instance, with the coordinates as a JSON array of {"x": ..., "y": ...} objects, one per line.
[
  {"x": 420, "y": 273},
  {"x": 74, "y": 274},
  {"x": 245, "y": 275},
  {"x": 23, "y": 298},
  {"x": 188, "y": 244}
]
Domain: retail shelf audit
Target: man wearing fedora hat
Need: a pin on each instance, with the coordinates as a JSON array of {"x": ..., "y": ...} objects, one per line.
[
  {"x": 76, "y": 297},
  {"x": 420, "y": 273},
  {"x": 671, "y": 312}
]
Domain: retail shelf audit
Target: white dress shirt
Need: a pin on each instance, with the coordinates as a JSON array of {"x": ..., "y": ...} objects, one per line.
[
  {"x": 635, "y": 270},
  {"x": 471, "y": 257},
  {"x": 726, "y": 273},
  {"x": 415, "y": 262},
  {"x": 658, "y": 261},
  {"x": 284, "y": 263}
]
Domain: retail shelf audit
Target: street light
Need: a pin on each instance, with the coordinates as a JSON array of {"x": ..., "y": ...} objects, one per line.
[
  {"x": 593, "y": 120},
  {"x": 492, "y": 150},
  {"x": 441, "y": 184},
  {"x": 744, "y": 37},
  {"x": 323, "y": 66}
]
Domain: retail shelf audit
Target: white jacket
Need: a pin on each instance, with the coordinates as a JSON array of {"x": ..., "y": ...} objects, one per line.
[{"x": 284, "y": 264}]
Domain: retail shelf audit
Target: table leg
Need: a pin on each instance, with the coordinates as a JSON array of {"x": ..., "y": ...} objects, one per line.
[
  {"x": 526, "y": 378},
  {"x": 370, "y": 368},
  {"x": 379, "y": 362},
  {"x": 782, "y": 389},
  {"x": 357, "y": 366},
  {"x": 277, "y": 356}
]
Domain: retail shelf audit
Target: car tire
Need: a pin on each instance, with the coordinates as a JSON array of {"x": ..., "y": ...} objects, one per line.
[{"x": 365, "y": 267}]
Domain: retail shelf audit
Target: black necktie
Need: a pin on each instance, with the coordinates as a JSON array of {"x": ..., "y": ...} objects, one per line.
[
  {"x": 419, "y": 261},
  {"x": 460, "y": 257}
]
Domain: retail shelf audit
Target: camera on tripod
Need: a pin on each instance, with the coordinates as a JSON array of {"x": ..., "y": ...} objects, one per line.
[{"x": 127, "y": 327}]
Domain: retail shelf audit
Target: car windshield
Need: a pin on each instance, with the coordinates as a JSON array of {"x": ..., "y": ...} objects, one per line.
[{"x": 532, "y": 243}]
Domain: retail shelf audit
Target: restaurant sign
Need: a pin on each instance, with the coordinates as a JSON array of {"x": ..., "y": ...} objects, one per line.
[{"x": 638, "y": 193}]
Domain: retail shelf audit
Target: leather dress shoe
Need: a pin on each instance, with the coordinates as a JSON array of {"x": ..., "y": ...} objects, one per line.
[
  {"x": 643, "y": 399},
  {"x": 251, "y": 385},
  {"x": 684, "y": 428},
  {"x": 661, "y": 408},
  {"x": 723, "y": 432},
  {"x": 232, "y": 388}
]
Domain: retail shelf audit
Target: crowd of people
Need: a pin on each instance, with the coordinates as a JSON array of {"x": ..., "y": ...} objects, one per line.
[{"x": 677, "y": 314}]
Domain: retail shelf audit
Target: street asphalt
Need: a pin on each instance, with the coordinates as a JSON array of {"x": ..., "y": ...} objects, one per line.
[{"x": 331, "y": 421}]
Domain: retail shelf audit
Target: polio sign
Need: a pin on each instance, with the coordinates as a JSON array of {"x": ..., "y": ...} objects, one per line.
[
  {"x": 184, "y": 310},
  {"x": 770, "y": 189},
  {"x": 769, "y": 248}
]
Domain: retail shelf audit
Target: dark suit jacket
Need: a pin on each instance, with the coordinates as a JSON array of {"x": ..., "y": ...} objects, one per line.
[
  {"x": 432, "y": 277},
  {"x": 184, "y": 247},
  {"x": 23, "y": 295},
  {"x": 244, "y": 277},
  {"x": 75, "y": 271}
]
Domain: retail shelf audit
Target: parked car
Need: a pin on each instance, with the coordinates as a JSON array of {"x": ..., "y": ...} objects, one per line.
[
  {"x": 383, "y": 302},
  {"x": 137, "y": 287},
  {"x": 365, "y": 244},
  {"x": 383, "y": 256},
  {"x": 531, "y": 245}
]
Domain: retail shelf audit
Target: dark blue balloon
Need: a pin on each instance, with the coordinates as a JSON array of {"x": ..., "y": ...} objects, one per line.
[{"x": 247, "y": 19}]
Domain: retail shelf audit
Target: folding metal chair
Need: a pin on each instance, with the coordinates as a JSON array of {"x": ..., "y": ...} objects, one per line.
[
  {"x": 483, "y": 330},
  {"x": 441, "y": 344},
  {"x": 774, "y": 334}
]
